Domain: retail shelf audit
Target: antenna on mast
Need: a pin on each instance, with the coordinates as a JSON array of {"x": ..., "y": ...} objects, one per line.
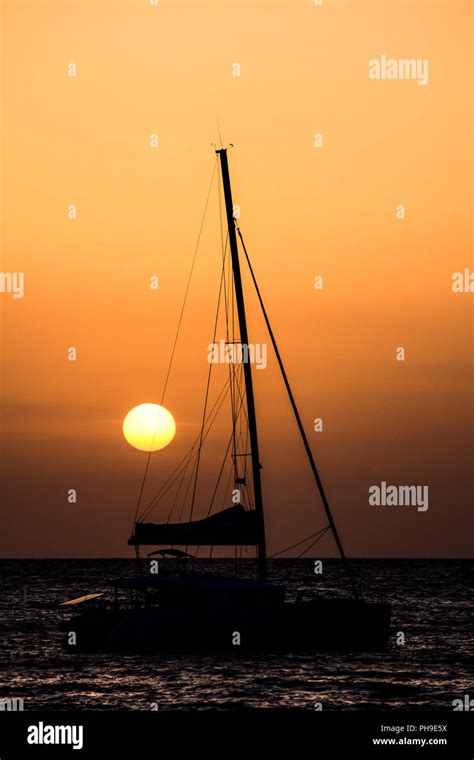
[{"x": 219, "y": 131}]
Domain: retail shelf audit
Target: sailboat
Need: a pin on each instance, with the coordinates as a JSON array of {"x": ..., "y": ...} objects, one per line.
[{"x": 186, "y": 608}]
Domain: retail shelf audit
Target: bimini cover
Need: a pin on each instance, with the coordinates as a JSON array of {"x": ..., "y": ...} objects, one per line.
[{"x": 231, "y": 527}]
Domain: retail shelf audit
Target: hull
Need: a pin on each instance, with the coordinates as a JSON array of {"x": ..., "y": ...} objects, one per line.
[{"x": 318, "y": 625}]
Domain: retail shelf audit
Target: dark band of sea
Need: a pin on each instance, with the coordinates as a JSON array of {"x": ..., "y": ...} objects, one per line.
[{"x": 432, "y": 607}]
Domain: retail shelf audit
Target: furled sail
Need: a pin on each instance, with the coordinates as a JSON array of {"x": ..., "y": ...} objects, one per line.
[{"x": 231, "y": 527}]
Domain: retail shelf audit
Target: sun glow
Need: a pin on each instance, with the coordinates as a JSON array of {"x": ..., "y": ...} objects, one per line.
[{"x": 149, "y": 427}]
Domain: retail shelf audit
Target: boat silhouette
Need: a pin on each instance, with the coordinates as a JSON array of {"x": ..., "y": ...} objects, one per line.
[{"x": 185, "y": 608}]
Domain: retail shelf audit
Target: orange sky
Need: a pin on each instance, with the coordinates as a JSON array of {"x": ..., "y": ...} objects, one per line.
[{"x": 305, "y": 211}]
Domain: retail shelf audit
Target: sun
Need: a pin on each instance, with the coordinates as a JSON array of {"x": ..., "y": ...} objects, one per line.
[{"x": 149, "y": 427}]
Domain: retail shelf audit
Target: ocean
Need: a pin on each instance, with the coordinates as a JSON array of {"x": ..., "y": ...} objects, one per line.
[{"x": 427, "y": 668}]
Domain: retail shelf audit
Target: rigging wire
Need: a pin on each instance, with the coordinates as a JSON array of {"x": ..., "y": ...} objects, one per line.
[
  {"x": 318, "y": 533},
  {"x": 206, "y": 397},
  {"x": 190, "y": 454},
  {"x": 314, "y": 542},
  {"x": 220, "y": 475},
  {"x": 178, "y": 330},
  {"x": 194, "y": 468},
  {"x": 322, "y": 493},
  {"x": 189, "y": 282},
  {"x": 178, "y": 490}
]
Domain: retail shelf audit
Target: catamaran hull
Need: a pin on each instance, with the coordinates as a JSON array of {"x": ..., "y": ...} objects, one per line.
[{"x": 319, "y": 625}]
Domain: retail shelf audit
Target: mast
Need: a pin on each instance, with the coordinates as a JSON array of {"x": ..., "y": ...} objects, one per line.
[{"x": 252, "y": 420}]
